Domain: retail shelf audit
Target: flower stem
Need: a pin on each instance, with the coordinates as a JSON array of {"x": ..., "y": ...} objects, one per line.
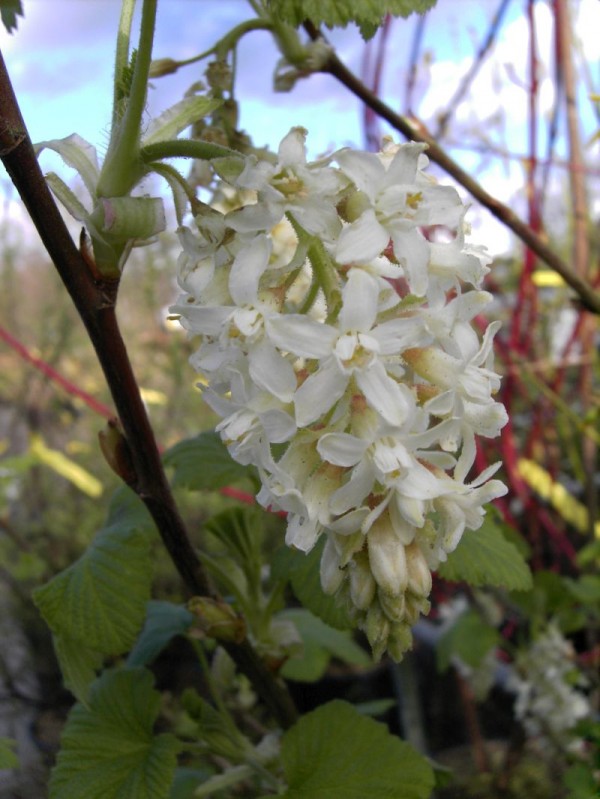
[
  {"x": 324, "y": 272},
  {"x": 184, "y": 148},
  {"x": 121, "y": 169},
  {"x": 122, "y": 53}
]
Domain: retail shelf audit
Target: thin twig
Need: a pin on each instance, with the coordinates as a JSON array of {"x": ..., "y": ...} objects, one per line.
[
  {"x": 95, "y": 301},
  {"x": 416, "y": 131},
  {"x": 467, "y": 80}
]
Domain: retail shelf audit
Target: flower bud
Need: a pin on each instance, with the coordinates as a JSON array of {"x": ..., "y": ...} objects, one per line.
[
  {"x": 399, "y": 641},
  {"x": 415, "y": 606},
  {"x": 217, "y": 619},
  {"x": 394, "y": 607},
  {"x": 362, "y": 584},
  {"x": 332, "y": 574},
  {"x": 163, "y": 66},
  {"x": 377, "y": 629},
  {"x": 419, "y": 576},
  {"x": 386, "y": 557}
]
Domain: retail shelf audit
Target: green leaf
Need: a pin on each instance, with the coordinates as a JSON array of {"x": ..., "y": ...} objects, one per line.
[
  {"x": 97, "y": 606},
  {"x": 485, "y": 557},
  {"x": 109, "y": 751},
  {"x": 164, "y": 621},
  {"x": 126, "y": 510},
  {"x": 469, "y": 638},
  {"x": 215, "y": 728},
  {"x": 180, "y": 116},
  {"x": 9, "y": 11},
  {"x": 376, "y": 707},
  {"x": 302, "y": 570},
  {"x": 79, "y": 664},
  {"x": 321, "y": 643},
  {"x": 8, "y": 756},
  {"x": 585, "y": 590},
  {"x": 580, "y": 781},
  {"x": 336, "y": 752},
  {"x": 367, "y": 14},
  {"x": 203, "y": 464},
  {"x": 101, "y": 599}
]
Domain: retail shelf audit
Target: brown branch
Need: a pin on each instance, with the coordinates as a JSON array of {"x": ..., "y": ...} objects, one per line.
[
  {"x": 417, "y": 132},
  {"x": 95, "y": 301}
]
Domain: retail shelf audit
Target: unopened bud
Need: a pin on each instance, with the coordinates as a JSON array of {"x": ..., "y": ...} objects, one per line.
[
  {"x": 419, "y": 576},
  {"x": 332, "y": 575},
  {"x": 362, "y": 584},
  {"x": 116, "y": 451},
  {"x": 394, "y": 607},
  {"x": 386, "y": 557},
  {"x": 163, "y": 66},
  {"x": 219, "y": 76},
  {"x": 415, "y": 606},
  {"x": 355, "y": 205},
  {"x": 217, "y": 619},
  {"x": 377, "y": 629},
  {"x": 399, "y": 641}
]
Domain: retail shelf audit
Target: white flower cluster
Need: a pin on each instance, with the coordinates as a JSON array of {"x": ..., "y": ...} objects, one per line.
[
  {"x": 548, "y": 686},
  {"x": 338, "y": 348}
]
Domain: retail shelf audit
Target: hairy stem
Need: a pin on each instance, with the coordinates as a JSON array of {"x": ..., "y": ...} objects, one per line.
[
  {"x": 94, "y": 299},
  {"x": 120, "y": 171}
]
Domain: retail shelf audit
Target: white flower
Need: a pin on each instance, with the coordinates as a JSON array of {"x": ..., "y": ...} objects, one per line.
[
  {"x": 349, "y": 350},
  {"x": 307, "y": 191},
  {"x": 399, "y": 200},
  {"x": 358, "y": 404},
  {"x": 548, "y": 686}
]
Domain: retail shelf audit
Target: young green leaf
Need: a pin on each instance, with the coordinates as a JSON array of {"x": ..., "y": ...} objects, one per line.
[
  {"x": 485, "y": 557},
  {"x": 164, "y": 621},
  {"x": 367, "y": 14},
  {"x": 334, "y": 751},
  {"x": 203, "y": 464},
  {"x": 108, "y": 750}
]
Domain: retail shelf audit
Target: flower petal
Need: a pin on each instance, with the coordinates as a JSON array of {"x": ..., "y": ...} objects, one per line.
[
  {"x": 301, "y": 335},
  {"x": 271, "y": 372},
  {"x": 341, "y": 449},
  {"x": 359, "y": 298},
  {"x": 246, "y": 270},
  {"x": 382, "y": 393},
  {"x": 361, "y": 240},
  {"x": 319, "y": 393}
]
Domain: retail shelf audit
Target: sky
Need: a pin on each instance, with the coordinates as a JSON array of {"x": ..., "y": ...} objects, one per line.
[{"x": 61, "y": 63}]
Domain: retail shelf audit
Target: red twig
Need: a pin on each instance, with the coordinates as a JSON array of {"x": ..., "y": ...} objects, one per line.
[{"x": 50, "y": 372}]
